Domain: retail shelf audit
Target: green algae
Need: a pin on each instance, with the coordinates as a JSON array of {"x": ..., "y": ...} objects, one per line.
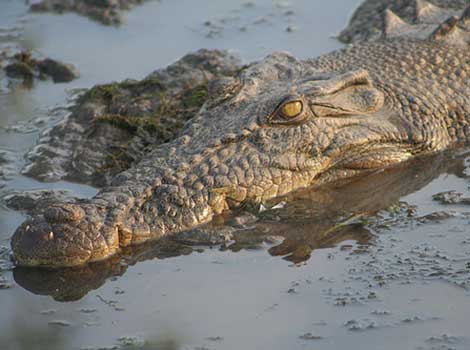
[
  {"x": 127, "y": 123},
  {"x": 163, "y": 123},
  {"x": 103, "y": 93},
  {"x": 111, "y": 92},
  {"x": 195, "y": 98}
]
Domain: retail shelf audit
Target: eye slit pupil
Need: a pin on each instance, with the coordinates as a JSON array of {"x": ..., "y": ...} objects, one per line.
[{"x": 292, "y": 109}]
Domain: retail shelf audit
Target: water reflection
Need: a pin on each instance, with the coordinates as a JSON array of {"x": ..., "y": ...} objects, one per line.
[
  {"x": 308, "y": 220},
  {"x": 328, "y": 215},
  {"x": 72, "y": 284}
]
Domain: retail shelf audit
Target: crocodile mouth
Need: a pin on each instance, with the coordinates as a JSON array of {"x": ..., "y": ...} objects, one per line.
[
  {"x": 35, "y": 244},
  {"x": 374, "y": 155},
  {"x": 47, "y": 241}
]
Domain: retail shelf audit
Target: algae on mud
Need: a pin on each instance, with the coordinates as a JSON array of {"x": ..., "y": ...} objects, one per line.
[
  {"x": 114, "y": 125},
  {"x": 174, "y": 110},
  {"x": 108, "y": 12},
  {"x": 25, "y": 67}
]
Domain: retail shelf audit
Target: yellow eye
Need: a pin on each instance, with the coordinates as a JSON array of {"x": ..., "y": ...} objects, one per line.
[{"x": 292, "y": 109}]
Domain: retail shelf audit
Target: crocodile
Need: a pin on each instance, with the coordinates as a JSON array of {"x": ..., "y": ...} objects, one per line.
[
  {"x": 307, "y": 221},
  {"x": 278, "y": 125}
]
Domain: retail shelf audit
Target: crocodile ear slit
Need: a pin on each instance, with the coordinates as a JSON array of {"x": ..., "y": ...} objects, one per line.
[
  {"x": 357, "y": 100},
  {"x": 339, "y": 82}
]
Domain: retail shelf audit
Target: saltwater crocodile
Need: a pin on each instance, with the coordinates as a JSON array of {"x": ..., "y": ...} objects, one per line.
[
  {"x": 307, "y": 220},
  {"x": 278, "y": 125}
]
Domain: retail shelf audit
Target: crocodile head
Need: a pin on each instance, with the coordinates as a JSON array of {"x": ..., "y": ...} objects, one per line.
[{"x": 279, "y": 126}]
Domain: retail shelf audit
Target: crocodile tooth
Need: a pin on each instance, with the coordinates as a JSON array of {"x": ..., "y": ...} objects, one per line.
[
  {"x": 393, "y": 24},
  {"x": 425, "y": 12}
]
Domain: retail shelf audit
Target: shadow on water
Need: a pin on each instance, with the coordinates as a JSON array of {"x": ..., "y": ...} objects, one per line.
[
  {"x": 26, "y": 333},
  {"x": 21, "y": 333},
  {"x": 307, "y": 220}
]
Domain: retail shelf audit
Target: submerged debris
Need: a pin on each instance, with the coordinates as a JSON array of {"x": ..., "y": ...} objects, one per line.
[
  {"x": 61, "y": 323},
  {"x": 4, "y": 284},
  {"x": 111, "y": 303},
  {"x": 215, "y": 339},
  {"x": 437, "y": 216},
  {"x": 451, "y": 197},
  {"x": 362, "y": 324},
  {"x": 27, "y": 68},
  {"x": 108, "y": 12},
  {"x": 310, "y": 336},
  {"x": 48, "y": 312},
  {"x": 87, "y": 310},
  {"x": 131, "y": 341},
  {"x": 5, "y": 262},
  {"x": 247, "y": 18},
  {"x": 59, "y": 72},
  {"x": 445, "y": 339},
  {"x": 7, "y": 165},
  {"x": 381, "y": 312}
]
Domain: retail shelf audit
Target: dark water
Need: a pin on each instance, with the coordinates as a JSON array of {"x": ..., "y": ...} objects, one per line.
[{"x": 368, "y": 275}]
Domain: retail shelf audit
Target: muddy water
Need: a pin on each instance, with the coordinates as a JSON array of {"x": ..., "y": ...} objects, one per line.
[{"x": 362, "y": 279}]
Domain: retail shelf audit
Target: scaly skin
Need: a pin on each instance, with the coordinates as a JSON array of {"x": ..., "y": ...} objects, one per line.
[
  {"x": 365, "y": 107},
  {"x": 368, "y": 20}
]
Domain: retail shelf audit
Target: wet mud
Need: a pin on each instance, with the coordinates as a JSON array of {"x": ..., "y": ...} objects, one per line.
[{"x": 108, "y": 12}]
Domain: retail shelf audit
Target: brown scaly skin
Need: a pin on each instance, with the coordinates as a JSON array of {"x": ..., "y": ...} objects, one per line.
[
  {"x": 368, "y": 106},
  {"x": 309, "y": 221},
  {"x": 368, "y": 20}
]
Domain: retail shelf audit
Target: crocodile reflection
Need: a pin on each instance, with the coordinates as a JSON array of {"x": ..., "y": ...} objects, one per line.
[{"x": 310, "y": 219}]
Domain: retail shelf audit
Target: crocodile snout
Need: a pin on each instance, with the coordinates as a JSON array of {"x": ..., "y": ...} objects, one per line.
[
  {"x": 64, "y": 213},
  {"x": 64, "y": 235}
]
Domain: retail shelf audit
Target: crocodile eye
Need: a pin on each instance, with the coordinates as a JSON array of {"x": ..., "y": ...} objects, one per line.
[{"x": 291, "y": 109}]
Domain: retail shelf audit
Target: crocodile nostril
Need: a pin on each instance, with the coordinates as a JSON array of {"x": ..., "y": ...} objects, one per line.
[{"x": 64, "y": 213}]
